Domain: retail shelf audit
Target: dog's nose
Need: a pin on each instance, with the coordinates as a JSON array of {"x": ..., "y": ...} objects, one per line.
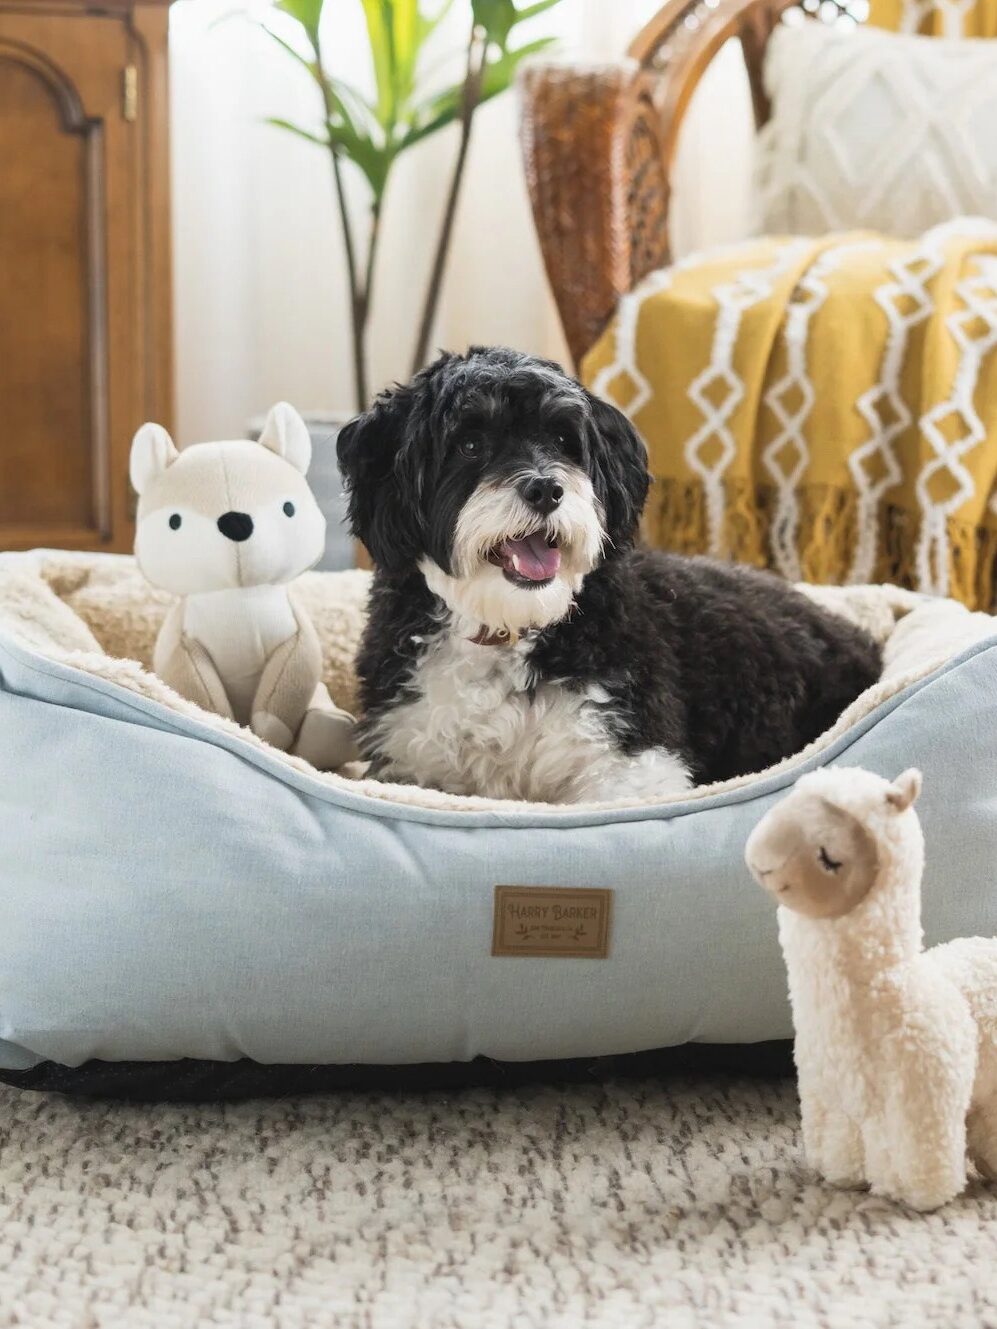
[
  {"x": 542, "y": 492},
  {"x": 236, "y": 526}
]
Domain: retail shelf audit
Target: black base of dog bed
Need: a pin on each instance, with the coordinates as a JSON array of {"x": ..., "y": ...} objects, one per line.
[{"x": 206, "y": 1081}]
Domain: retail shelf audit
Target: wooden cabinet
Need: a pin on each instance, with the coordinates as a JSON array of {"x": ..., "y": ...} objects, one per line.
[{"x": 85, "y": 299}]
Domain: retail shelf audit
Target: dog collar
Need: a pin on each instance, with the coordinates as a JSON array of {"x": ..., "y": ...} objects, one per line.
[
  {"x": 485, "y": 637},
  {"x": 504, "y": 636}
]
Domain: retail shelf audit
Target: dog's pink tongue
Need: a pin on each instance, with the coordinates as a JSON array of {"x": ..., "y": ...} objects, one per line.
[{"x": 533, "y": 558}]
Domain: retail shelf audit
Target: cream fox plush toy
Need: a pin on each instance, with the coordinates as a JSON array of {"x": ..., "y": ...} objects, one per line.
[
  {"x": 896, "y": 1047},
  {"x": 227, "y": 527}
]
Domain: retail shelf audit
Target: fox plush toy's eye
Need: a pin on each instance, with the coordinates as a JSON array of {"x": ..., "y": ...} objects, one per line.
[
  {"x": 828, "y": 863},
  {"x": 288, "y": 509},
  {"x": 175, "y": 520}
]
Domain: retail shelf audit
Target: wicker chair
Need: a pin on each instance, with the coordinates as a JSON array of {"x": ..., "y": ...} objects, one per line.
[{"x": 600, "y": 143}]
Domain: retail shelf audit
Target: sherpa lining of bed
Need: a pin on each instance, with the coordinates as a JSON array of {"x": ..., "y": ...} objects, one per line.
[{"x": 96, "y": 613}]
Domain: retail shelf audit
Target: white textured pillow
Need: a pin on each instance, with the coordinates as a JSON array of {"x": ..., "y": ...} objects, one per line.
[{"x": 876, "y": 130}]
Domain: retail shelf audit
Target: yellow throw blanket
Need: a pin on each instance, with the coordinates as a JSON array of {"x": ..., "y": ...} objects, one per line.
[
  {"x": 826, "y": 407},
  {"x": 936, "y": 18}
]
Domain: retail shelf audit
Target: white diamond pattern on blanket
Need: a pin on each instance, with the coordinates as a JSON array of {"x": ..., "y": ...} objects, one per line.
[
  {"x": 717, "y": 391},
  {"x": 953, "y": 427},
  {"x": 624, "y": 363},
  {"x": 791, "y": 401},
  {"x": 873, "y": 465},
  {"x": 711, "y": 449}
]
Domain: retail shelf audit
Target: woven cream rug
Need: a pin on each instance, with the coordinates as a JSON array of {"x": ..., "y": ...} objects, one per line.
[{"x": 630, "y": 1204}]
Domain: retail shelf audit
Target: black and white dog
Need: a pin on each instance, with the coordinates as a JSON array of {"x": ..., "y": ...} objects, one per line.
[{"x": 519, "y": 646}]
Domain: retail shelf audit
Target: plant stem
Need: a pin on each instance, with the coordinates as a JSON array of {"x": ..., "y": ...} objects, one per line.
[
  {"x": 368, "y": 284},
  {"x": 358, "y": 315},
  {"x": 477, "y": 52}
]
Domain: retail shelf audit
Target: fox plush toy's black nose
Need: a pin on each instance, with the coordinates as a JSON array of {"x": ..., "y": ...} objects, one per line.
[{"x": 235, "y": 525}]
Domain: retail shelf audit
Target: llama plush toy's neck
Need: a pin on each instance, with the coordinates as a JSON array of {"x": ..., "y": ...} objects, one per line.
[{"x": 882, "y": 931}]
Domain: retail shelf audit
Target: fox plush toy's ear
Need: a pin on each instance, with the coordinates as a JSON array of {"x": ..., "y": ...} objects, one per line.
[
  {"x": 287, "y": 434},
  {"x": 152, "y": 452}
]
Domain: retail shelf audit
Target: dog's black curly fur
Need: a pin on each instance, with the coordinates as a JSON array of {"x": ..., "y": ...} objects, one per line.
[{"x": 727, "y": 667}]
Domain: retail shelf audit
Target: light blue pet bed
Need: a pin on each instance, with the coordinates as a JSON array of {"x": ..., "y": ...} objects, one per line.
[{"x": 172, "y": 889}]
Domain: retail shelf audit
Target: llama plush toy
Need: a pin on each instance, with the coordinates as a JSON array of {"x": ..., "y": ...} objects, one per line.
[
  {"x": 226, "y": 527},
  {"x": 896, "y": 1047}
]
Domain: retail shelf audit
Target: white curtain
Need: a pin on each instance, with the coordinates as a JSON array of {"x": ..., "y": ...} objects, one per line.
[{"x": 261, "y": 295}]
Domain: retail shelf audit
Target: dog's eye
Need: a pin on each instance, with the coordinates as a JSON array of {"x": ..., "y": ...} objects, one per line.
[
  {"x": 826, "y": 861},
  {"x": 288, "y": 509},
  {"x": 175, "y": 520},
  {"x": 469, "y": 447},
  {"x": 567, "y": 440}
]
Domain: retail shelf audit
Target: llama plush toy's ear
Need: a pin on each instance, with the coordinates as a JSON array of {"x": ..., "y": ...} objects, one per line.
[
  {"x": 287, "y": 434},
  {"x": 904, "y": 790},
  {"x": 152, "y": 452}
]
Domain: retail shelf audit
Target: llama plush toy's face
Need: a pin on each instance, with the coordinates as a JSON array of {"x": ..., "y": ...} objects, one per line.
[
  {"x": 813, "y": 857},
  {"x": 218, "y": 516},
  {"x": 817, "y": 857}
]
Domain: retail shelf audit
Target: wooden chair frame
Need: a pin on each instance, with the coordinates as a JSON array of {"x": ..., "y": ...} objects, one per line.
[{"x": 600, "y": 142}]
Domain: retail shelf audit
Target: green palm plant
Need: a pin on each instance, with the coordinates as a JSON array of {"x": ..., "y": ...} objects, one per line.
[{"x": 371, "y": 133}]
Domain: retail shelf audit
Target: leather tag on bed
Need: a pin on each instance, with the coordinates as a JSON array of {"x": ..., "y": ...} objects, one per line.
[{"x": 550, "y": 921}]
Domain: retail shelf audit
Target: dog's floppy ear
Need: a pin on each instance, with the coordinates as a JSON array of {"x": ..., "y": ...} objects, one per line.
[
  {"x": 619, "y": 470},
  {"x": 383, "y": 502}
]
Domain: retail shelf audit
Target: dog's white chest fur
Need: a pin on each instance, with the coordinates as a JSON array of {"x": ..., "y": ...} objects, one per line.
[
  {"x": 474, "y": 726},
  {"x": 240, "y": 629}
]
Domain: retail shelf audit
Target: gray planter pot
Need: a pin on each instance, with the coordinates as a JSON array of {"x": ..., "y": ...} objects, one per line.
[{"x": 327, "y": 486}]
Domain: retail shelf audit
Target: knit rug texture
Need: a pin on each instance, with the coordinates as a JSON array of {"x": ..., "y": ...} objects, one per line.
[{"x": 661, "y": 1203}]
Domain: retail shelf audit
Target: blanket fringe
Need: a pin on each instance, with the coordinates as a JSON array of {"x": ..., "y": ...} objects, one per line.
[{"x": 827, "y": 525}]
